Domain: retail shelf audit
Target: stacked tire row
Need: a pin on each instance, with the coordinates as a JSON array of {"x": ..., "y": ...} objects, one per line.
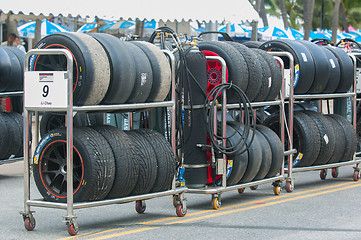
[
  {"x": 11, "y": 69},
  {"x": 107, "y": 163},
  {"x": 262, "y": 158},
  {"x": 319, "y": 139},
  {"x": 255, "y": 71},
  {"x": 107, "y": 70},
  {"x": 11, "y": 135},
  {"x": 318, "y": 69}
]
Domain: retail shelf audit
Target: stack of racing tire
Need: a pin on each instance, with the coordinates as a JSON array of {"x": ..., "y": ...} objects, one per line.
[
  {"x": 108, "y": 163},
  {"x": 319, "y": 138},
  {"x": 261, "y": 157},
  {"x": 255, "y": 71},
  {"x": 11, "y": 77}
]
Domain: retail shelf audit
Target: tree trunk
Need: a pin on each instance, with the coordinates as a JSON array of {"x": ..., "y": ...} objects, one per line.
[
  {"x": 139, "y": 26},
  {"x": 308, "y": 7},
  {"x": 284, "y": 13},
  {"x": 262, "y": 14},
  {"x": 335, "y": 20},
  {"x": 343, "y": 18},
  {"x": 37, "y": 31}
]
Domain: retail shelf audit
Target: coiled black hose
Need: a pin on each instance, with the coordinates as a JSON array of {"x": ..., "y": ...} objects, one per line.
[{"x": 245, "y": 111}]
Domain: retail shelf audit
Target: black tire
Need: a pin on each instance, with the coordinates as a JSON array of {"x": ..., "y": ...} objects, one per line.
[
  {"x": 144, "y": 75},
  {"x": 266, "y": 159},
  {"x": 322, "y": 70},
  {"x": 91, "y": 71},
  {"x": 276, "y": 149},
  {"x": 340, "y": 146},
  {"x": 4, "y": 133},
  {"x": 346, "y": 67},
  {"x": 126, "y": 165},
  {"x": 11, "y": 140},
  {"x": 351, "y": 138},
  {"x": 302, "y": 58},
  {"x": 146, "y": 159},
  {"x": 327, "y": 137},
  {"x": 94, "y": 166},
  {"x": 266, "y": 76},
  {"x": 166, "y": 161},
  {"x": 162, "y": 76},
  {"x": 236, "y": 65},
  {"x": 122, "y": 68},
  {"x": 5, "y": 69},
  {"x": 252, "y": 44},
  {"x": 51, "y": 121},
  {"x": 18, "y": 134},
  {"x": 254, "y": 155},
  {"x": 276, "y": 74},
  {"x": 239, "y": 160},
  {"x": 335, "y": 72},
  {"x": 358, "y": 134},
  {"x": 254, "y": 71},
  {"x": 15, "y": 82},
  {"x": 306, "y": 137}
]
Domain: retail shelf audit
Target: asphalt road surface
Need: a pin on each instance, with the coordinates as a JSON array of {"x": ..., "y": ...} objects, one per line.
[{"x": 316, "y": 209}]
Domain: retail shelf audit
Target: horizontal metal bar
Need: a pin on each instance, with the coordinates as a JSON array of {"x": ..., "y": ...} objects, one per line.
[
  {"x": 41, "y": 203},
  {"x": 10, "y": 94},
  {"x": 11, "y": 160},
  {"x": 218, "y": 190},
  {"x": 111, "y": 107},
  {"x": 326, "y": 166},
  {"x": 289, "y": 152},
  {"x": 333, "y": 95},
  {"x": 253, "y": 104}
]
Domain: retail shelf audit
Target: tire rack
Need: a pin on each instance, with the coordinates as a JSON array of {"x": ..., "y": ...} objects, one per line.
[
  {"x": 334, "y": 166},
  {"x": 216, "y": 192},
  {"x": 70, "y": 206},
  {"x": 11, "y": 94}
]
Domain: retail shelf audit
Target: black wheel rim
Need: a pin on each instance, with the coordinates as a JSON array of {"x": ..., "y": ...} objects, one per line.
[
  {"x": 54, "y": 122},
  {"x": 53, "y": 169}
]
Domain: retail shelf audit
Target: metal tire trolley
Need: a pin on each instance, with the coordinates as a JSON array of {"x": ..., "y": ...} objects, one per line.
[
  {"x": 70, "y": 206},
  {"x": 217, "y": 191}
]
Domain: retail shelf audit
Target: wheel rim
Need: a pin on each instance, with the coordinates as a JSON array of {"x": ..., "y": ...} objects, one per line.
[
  {"x": 214, "y": 71},
  {"x": 53, "y": 169},
  {"x": 55, "y": 122}
]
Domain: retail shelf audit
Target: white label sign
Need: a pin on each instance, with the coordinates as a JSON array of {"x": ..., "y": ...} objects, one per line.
[{"x": 46, "y": 89}]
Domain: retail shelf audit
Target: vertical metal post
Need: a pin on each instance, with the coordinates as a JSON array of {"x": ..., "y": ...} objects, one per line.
[
  {"x": 223, "y": 121},
  {"x": 26, "y": 160},
  {"x": 69, "y": 135}
]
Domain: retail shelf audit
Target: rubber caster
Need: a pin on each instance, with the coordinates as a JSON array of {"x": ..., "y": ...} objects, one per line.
[
  {"x": 140, "y": 206},
  {"x": 29, "y": 223},
  {"x": 277, "y": 190},
  {"x": 323, "y": 174},
  {"x": 72, "y": 229},
  {"x": 181, "y": 210},
  {"x": 356, "y": 175},
  {"x": 290, "y": 187},
  {"x": 241, "y": 190},
  {"x": 254, "y": 187},
  {"x": 216, "y": 203},
  {"x": 334, "y": 172}
]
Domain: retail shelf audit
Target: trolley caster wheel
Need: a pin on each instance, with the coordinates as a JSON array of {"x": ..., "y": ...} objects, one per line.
[
  {"x": 323, "y": 174},
  {"x": 240, "y": 190},
  {"x": 181, "y": 210},
  {"x": 254, "y": 187},
  {"x": 356, "y": 175},
  {"x": 290, "y": 186},
  {"x": 72, "y": 230},
  {"x": 216, "y": 203},
  {"x": 277, "y": 190},
  {"x": 29, "y": 223},
  {"x": 334, "y": 172},
  {"x": 140, "y": 206}
]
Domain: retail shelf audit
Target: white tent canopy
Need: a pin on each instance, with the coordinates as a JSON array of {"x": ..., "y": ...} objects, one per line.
[{"x": 233, "y": 11}]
